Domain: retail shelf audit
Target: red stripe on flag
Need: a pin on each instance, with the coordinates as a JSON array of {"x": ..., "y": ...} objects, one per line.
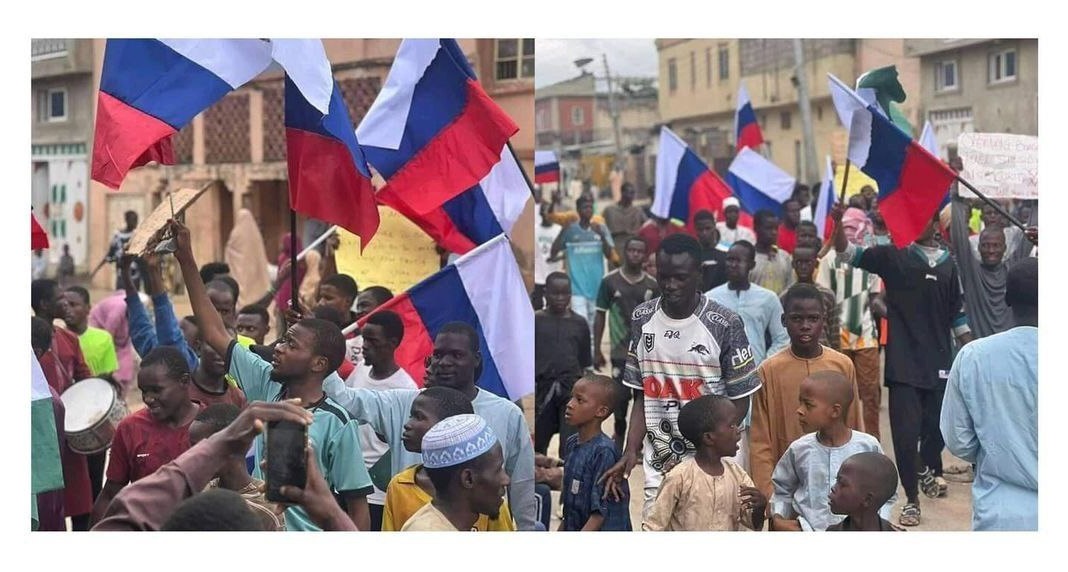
[
  {"x": 435, "y": 223},
  {"x": 458, "y": 157},
  {"x": 547, "y": 177},
  {"x": 125, "y": 138},
  {"x": 750, "y": 136},
  {"x": 416, "y": 344},
  {"x": 707, "y": 194},
  {"x": 921, "y": 187},
  {"x": 324, "y": 183},
  {"x": 38, "y": 236}
]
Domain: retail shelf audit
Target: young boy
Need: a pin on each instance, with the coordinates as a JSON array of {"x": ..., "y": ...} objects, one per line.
[
  {"x": 254, "y": 322},
  {"x": 586, "y": 507},
  {"x": 98, "y": 348},
  {"x": 465, "y": 462},
  {"x": 708, "y": 491},
  {"x": 774, "y": 422},
  {"x": 802, "y": 478},
  {"x": 210, "y": 384},
  {"x": 233, "y": 475},
  {"x": 411, "y": 489},
  {"x": 864, "y": 484}
]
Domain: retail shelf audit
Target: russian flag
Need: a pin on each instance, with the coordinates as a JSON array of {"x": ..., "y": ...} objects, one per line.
[
  {"x": 822, "y": 218},
  {"x": 478, "y": 214},
  {"x": 328, "y": 175},
  {"x": 38, "y": 236},
  {"x": 912, "y": 182},
  {"x": 151, "y": 88},
  {"x": 684, "y": 183},
  {"x": 546, "y": 167},
  {"x": 484, "y": 289},
  {"x": 929, "y": 142},
  {"x": 432, "y": 132},
  {"x": 746, "y": 129},
  {"x": 759, "y": 183}
]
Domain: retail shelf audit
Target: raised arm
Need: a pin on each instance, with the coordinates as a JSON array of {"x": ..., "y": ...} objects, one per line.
[{"x": 212, "y": 330}]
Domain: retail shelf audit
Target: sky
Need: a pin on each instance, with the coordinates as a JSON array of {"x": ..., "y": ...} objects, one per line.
[{"x": 555, "y": 58}]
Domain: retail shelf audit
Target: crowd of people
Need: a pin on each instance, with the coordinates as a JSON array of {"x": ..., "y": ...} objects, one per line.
[{"x": 754, "y": 359}]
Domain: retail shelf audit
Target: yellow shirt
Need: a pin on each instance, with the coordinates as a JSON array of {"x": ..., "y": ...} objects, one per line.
[{"x": 405, "y": 498}]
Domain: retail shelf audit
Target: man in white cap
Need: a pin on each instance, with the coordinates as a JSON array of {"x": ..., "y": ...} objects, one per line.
[
  {"x": 729, "y": 230},
  {"x": 465, "y": 462}
]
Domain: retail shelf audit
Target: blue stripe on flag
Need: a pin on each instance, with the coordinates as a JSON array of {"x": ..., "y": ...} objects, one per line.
[
  {"x": 472, "y": 215},
  {"x": 690, "y": 169},
  {"x": 886, "y": 156},
  {"x": 752, "y": 198}
]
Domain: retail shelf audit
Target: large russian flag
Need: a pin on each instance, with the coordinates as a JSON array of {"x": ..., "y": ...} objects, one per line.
[
  {"x": 746, "y": 129},
  {"x": 912, "y": 182},
  {"x": 432, "y": 132},
  {"x": 476, "y": 215},
  {"x": 328, "y": 175},
  {"x": 484, "y": 289},
  {"x": 684, "y": 183},
  {"x": 759, "y": 183},
  {"x": 546, "y": 167},
  {"x": 151, "y": 88}
]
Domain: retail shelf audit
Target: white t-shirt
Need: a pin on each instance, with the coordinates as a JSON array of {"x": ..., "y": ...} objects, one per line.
[
  {"x": 729, "y": 237},
  {"x": 354, "y": 350},
  {"x": 543, "y": 239},
  {"x": 373, "y": 447}
]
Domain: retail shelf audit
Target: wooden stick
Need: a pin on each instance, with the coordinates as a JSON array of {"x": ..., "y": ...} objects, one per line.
[{"x": 845, "y": 180}]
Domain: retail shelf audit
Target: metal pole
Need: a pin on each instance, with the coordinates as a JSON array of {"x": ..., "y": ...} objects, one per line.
[
  {"x": 994, "y": 205},
  {"x": 808, "y": 167},
  {"x": 614, "y": 113},
  {"x": 317, "y": 242}
]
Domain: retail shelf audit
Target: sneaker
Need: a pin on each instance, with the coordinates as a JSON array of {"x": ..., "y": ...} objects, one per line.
[{"x": 928, "y": 484}]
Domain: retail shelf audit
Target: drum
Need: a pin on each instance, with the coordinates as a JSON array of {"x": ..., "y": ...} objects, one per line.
[{"x": 93, "y": 411}]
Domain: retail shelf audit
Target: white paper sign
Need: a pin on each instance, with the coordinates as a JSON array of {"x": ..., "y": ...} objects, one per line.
[{"x": 1000, "y": 165}]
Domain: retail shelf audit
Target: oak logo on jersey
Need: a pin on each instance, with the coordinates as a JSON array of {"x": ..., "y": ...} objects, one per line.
[{"x": 648, "y": 338}]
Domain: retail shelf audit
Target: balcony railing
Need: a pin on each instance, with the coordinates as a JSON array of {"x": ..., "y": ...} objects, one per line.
[{"x": 49, "y": 48}]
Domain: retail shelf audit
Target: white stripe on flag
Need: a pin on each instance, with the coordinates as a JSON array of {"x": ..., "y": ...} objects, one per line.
[
  {"x": 669, "y": 155},
  {"x": 823, "y": 206},
  {"x": 38, "y": 383},
  {"x": 860, "y": 137},
  {"x": 491, "y": 278},
  {"x": 767, "y": 177},
  {"x": 383, "y": 125},
  {"x": 927, "y": 139},
  {"x": 234, "y": 61},
  {"x": 846, "y": 101},
  {"x": 506, "y": 190},
  {"x": 544, "y": 158},
  {"x": 307, "y": 66}
]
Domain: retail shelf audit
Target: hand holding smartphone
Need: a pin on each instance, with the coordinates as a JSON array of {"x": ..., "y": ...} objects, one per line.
[{"x": 286, "y": 459}]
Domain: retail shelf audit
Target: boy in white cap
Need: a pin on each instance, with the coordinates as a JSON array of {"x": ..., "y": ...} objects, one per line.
[
  {"x": 729, "y": 229},
  {"x": 464, "y": 460}
]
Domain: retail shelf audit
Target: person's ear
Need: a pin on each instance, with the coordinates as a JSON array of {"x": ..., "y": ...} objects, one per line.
[
  {"x": 707, "y": 438},
  {"x": 185, "y": 378},
  {"x": 318, "y": 364},
  {"x": 782, "y": 318},
  {"x": 869, "y": 500},
  {"x": 467, "y": 478},
  {"x": 603, "y": 411},
  {"x": 836, "y": 410}
]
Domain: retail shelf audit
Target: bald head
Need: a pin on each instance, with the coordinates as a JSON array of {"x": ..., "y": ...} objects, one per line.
[
  {"x": 875, "y": 473},
  {"x": 831, "y": 386}
]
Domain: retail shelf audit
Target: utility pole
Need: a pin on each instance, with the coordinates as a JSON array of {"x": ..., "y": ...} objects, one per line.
[
  {"x": 809, "y": 170},
  {"x": 614, "y": 113}
]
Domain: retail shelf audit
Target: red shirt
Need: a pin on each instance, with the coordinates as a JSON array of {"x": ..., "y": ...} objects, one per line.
[
  {"x": 77, "y": 488},
  {"x": 651, "y": 233},
  {"x": 787, "y": 239},
  {"x": 143, "y": 445},
  {"x": 232, "y": 395},
  {"x": 65, "y": 359}
]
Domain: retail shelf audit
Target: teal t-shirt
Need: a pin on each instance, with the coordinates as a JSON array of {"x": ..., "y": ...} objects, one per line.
[{"x": 332, "y": 433}]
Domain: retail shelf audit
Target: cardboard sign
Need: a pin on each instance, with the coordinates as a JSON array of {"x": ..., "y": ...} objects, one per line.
[
  {"x": 398, "y": 257},
  {"x": 1000, "y": 165},
  {"x": 143, "y": 238}
]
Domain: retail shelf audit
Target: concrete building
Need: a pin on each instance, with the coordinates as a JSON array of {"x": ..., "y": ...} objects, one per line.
[
  {"x": 237, "y": 146},
  {"x": 699, "y": 80},
  {"x": 977, "y": 85}
]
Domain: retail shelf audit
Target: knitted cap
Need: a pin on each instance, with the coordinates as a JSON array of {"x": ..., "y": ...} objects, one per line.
[{"x": 456, "y": 440}]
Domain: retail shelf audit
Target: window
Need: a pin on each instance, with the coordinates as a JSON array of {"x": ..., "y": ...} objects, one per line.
[
  {"x": 946, "y": 76},
  {"x": 52, "y": 105},
  {"x": 708, "y": 67},
  {"x": 785, "y": 119},
  {"x": 724, "y": 62},
  {"x": 693, "y": 71},
  {"x": 1002, "y": 66},
  {"x": 578, "y": 116},
  {"x": 515, "y": 58},
  {"x": 673, "y": 75}
]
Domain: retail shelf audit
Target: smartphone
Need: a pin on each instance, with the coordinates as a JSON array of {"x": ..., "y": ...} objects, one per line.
[{"x": 286, "y": 461}]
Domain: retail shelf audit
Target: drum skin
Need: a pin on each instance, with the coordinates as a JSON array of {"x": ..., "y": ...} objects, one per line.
[{"x": 93, "y": 412}]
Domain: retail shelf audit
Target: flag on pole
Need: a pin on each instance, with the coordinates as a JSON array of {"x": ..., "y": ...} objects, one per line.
[
  {"x": 684, "y": 183},
  {"x": 929, "y": 142},
  {"x": 432, "y": 132},
  {"x": 546, "y": 167},
  {"x": 746, "y": 129},
  {"x": 328, "y": 175},
  {"x": 759, "y": 184},
  {"x": 485, "y": 290},
  {"x": 46, "y": 470},
  {"x": 38, "y": 236},
  {"x": 827, "y": 198},
  {"x": 846, "y": 101},
  {"x": 151, "y": 88}
]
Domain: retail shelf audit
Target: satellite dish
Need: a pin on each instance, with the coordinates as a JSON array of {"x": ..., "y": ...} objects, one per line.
[{"x": 582, "y": 62}]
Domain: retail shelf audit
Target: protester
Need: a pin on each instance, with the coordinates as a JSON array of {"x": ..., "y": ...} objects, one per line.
[
  {"x": 371, "y": 298},
  {"x": 109, "y": 315},
  {"x": 253, "y": 322},
  {"x": 708, "y": 491},
  {"x": 787, "y": 238},
  {"x": 247, "y": 258},
  {"x": 339, "y": 291},
  {"x": 729, "y": 230},
  {"x": 116, "y": 250},
  {"x": 561, "y": 356},
  {"x": 65, "y": 271},
  {"x": 774, "y": 267},
  {"x": 591, "y": 453},
  {"x": 49, "y": 504},
  {"x": 759, "y": 308},
  {"x": 805, "y": 262},
  {"x": 989, "y": 416},
  {"x": 925, "y": 305},
  {"x": 96, "y": 344},
  {"x": 465, "y": 462},
  {"x": 656, "y": 229},
  {"x": 802, "y": 478},
  {"x": 713, "y": 256},
  {"x": 775, "y": 423},
  {"x": 623, "y": 219},
  {"x": 683, "y": 345},
  {"x": 803, "y": 195},
  {"x": 545, "y": 233},
  {"x": 284, "y": 293},
  {"x": 865, "y": 482},
  {"x": 587, "y": 245}
]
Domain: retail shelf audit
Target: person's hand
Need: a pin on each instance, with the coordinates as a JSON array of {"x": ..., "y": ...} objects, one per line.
[
  {"x": 617, "y": 473},
  {"x": 294, "y": 315},
  {"x": 753, "y": 499},
  {"x": 837, "y": 211},
  {"x": 546, "y": 461},
  {"x": 316, "y": 497},
  {"x": 1032, "y": 234},
  {"x": 238, "y": 435},
  {"x": 283, "y": 271},
  {"x": 182, "y": 239},
  {"x": 598, "y": 359},
  {"x": 333, "y": 242},
  {"x": 124, "y": 271}
]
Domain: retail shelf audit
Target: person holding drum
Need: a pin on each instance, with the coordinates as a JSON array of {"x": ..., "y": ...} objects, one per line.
[{"x": 157, "y": 434}]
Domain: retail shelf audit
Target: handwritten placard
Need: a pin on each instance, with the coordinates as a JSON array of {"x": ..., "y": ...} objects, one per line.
[
  {"x": 399, "y": 256},
  {"x": 1001, "y": 165}
]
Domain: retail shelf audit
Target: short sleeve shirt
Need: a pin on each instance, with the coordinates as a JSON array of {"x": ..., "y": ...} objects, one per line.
[
  {"x": 618, "y": 297},
  {"x": 99, "y": 351},
  {"x": 332, "y": 433},
  {"x": 582, "y": 496},
  {"x": 675, "y": 361},
  {"x": 142, "y": 445}
]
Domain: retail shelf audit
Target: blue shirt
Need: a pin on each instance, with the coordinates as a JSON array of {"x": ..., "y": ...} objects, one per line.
[
  {"x": 145, "y": 338},
  {"x": 582, "y": 496},
  {"x": 761, "y": 313},
  {"x": 990, "y": 417},
  {"x": 585, "y": 258}
]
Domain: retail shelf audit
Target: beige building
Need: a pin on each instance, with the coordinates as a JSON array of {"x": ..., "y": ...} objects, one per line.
[
  {"x": 238, "y": 145},
  {"x": 699, "y": 80},
  {"x": 977, "y": 85}
]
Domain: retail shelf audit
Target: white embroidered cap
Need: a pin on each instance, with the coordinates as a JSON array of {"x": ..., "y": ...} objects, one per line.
[{"x": 455, "y": 440}]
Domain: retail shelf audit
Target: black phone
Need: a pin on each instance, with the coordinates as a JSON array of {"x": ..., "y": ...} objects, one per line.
[{"x": 286, "y": 460}]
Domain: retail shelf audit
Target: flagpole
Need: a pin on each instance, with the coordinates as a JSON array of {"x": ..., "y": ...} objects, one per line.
[
  {"x": 293, "y": 259},
  {"x": 530, "y": 184},
  {"x": 317, "y": 242},
  {"x": 993, "y": 204},
  {"x": 845, "y": 180}
]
